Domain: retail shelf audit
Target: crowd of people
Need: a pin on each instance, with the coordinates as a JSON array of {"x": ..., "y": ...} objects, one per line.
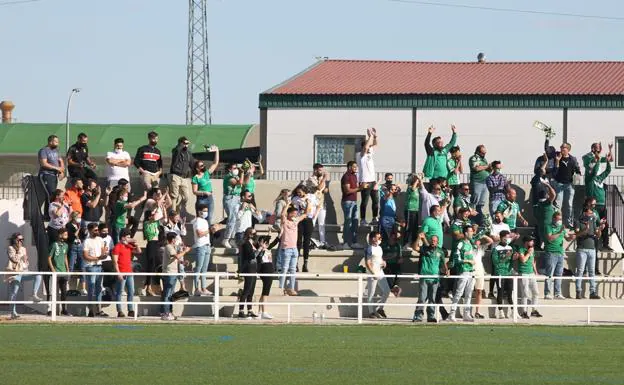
[{"x": 91, "y": 226}]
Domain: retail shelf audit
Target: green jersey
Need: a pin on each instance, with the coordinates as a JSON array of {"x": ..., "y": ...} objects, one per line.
[
  {"x": 556, "y": 245},
  {"x": 457, "y": 228},
  {"x": 250, "y": 185},
  {"x": 461, "y": 202},
  {"x": 150, "y": 230},
  {"x": 413, "y": 200},
  {"x": 432, "y": 226},
  {"x": 478, "y": 176},
  {"x": 502, "y": 259},
  {"x": 594, "y": 184},
  {"x": 545, "y": 212},
  {"x": 58, "y": 252},
  {"x": 204, "y": 184},
  {"x": 510, "y": 212},
  {"x": 435, "y": 164},
  {"x": 228, "y": 188},
  {"x": 120, "y": 213},
  {"x": 527, "y": 266},
  {"x": 391, "y": 253},
  {"x": 465, "y": 251},
  {"x": 431, "y": 262},
  {"x": 589, "y": 162},
  {"x": 452, "y": 178}
]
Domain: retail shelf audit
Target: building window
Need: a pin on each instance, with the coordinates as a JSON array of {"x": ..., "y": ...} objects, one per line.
[
  {"x": 336, "y": 150},
  {"x": 619, "y": 152}
]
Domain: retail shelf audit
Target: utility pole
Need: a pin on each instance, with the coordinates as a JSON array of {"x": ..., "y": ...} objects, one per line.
[{"x": 198, "y": 108}]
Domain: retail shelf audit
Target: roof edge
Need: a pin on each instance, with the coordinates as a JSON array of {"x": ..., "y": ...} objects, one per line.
[
  {"x": 470, "y": 62},
  {"x": 300, "y": 73}
]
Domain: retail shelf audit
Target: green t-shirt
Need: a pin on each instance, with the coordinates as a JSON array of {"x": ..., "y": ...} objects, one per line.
[
  {"x": 413, "y": 200},
  {"x": 391, "y": 253},
  {"x": 502, "y": 259},
  {"x": 250, "y": 185},
  {"x": 525, "y": 267},
  {"x": 452, "y": 178},
  {"x": 457, "y": 227},
  {"x": 120, "y": 212},
  {"x": 478, "y": 176},
  {"x": 150, "y": 230},
  {"x": 510, "y": 212},
  {"x": 545, "y": 212},
  {"x": 228, "y": 189},
  {"x": 464, "y": 252},
  {"x": 594, "y": 183},
  {"x": 587, "y": 241},
  {"x": 460, "y": 202},
  {"x": 204, "y": 184},
  {"x": 58, "y": 252},
  {"x": 555, "y": 246},
  {"x": 432, "y": 226},
  {"x": 431, "y": 262},
  {"x": 440, "y": 157}
]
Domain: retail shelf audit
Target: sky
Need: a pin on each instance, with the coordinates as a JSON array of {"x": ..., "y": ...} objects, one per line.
[{"x": 129, "y": 56}]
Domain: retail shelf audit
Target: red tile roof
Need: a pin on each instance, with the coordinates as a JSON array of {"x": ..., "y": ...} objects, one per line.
[{"x": 359, "y": 77}]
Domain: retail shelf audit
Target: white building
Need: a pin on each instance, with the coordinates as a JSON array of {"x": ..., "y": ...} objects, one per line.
[{"x": 321, "y": 113}]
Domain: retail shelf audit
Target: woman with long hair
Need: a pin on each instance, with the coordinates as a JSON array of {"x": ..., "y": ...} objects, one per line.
[
  {"x": 248, "y": 253},
  {"x": 265, "y": 266},
  {"x": 75, "y": 236},
  {"x": 18, "y": 263},
  {"x": 202, "y": 185},
  {"x": 304, "y": 203}
]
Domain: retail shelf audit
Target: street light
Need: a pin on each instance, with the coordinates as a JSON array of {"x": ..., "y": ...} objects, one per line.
[{"x": 71, "y": 95}]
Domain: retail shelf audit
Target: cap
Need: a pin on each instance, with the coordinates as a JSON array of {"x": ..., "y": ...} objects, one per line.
[{"x": 183, "y": 139}]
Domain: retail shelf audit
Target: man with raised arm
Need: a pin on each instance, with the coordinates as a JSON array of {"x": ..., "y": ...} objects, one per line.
[{"x": 437, "y": 154}]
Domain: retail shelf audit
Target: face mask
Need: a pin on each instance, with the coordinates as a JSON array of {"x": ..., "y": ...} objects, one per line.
[
  {"x": 124, "y": 241},
  {"x": 123, "y": 198},
  {"x": 508, "y": 240},
  {"x": 103, "y": 235},
  {"x": 78, "y": 220},
  {"x": 235, "y": 172},
  {"x": 497, "y": 220},
  {"x": 389, "y": 182},
  {"x": 558, "y": 223},
  {"x": 118, "y": 151},
  {"x": 204, "y": 215}
]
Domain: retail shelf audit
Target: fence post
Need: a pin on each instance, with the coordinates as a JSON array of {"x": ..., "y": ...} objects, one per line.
[
  {"x": 360, "y": 295},
  {"x": 53, "y": 290},
  {"x": 216, "y": 297},
  {"x": 514, "y": 308},
  {"x": 588, "y": 314}
]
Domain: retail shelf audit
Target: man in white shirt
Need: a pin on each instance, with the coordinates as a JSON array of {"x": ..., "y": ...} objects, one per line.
[
  {"x": 118, "y": 162},
  {"x": 367, "y": 178},
  {"x": 201, "y": 249},
  {"x": 497, "y": 226},
  {"x": 374, "y": 265},
  {"x": 94, "y": 251}
]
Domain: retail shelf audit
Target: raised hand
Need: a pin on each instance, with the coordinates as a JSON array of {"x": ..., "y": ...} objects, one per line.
[
  {"x": 453, "y": 128},
  {"x": 431, "y": 129}
]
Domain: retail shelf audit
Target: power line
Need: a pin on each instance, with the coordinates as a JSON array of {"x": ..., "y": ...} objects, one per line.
[
  {"x": 3, "y": 3},
  {"x": 510, "y": 10}
]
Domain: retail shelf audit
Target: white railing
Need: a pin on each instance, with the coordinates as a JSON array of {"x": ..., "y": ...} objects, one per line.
[{"x": 217, "y": 303}]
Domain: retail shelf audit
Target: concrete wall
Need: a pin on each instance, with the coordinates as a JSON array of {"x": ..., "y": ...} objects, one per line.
[
  {"x": 290, "y": 135},
  {"x": 588, "y": 126}
]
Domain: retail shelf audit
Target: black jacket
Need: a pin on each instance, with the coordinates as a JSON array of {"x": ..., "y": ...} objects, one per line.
[
  {"x": 148, "y": 158},
  {"x": 181, "y": 162}
]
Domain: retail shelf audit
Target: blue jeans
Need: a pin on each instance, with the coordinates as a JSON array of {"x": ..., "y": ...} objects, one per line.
[
  {"x": 349, "y": 233},
  {"x": 128, "y": 282},
  {"x": 209, "y": 202},
  {"x": 75, "y": 254},
  {"x": 480, "y": 193},
  {"x": 15, "y": 285},
  {"x": 94, "y": 283},
  {"x": 553, "y": 267},
  {"x": 586, "y": 258},
  {"x": 565, "y": 197},
  {"x": 168, "y": 286},
  {"x": 286, "y": 264},
  {"x": 202, "y": 260},
  {"x": 231, "y": 203},
  {"x": 428, "y": 290}
]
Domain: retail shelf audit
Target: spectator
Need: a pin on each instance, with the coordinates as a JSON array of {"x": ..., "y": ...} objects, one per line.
[
  {"x": 384, "y": 188},
  {"x": 566, "y": 166},
  {"x": 318, "y": 184},
  {"x": 511, "y": 211},
  {"x": 118, "y": 162},
  {"x": 79, "y": 164},
  {"x": 436, "y": 165},
  {"x": 18, "y": 263},
  {"x": 176, "y": 224},
  {"x": 431, "y": 263},
  {"x": 73, "y": 195},
  {"x": 306, "y": 204},
  {"x": 201, "y": 250},
  {"x": 554, "y": 255},
  {"x": 57, "y": 262},
  {"x": 502, "y": 260},
  {"x": 367, "y": 177},
  {"x": 350, "y": 188},
  {"x": 232, "y": 187},
  {"x": 172, "y": 258},
  {"x": 588, "y": 232},
  {"x": 245, "y": 213},
  {"x": 497, "y": 185},
  {"x": 151, "y": 232},
  {"x": 74, "y": 239},
  {"x": 455, "y": 169},
  {"x": 412, "y": 206},
  {"x": 375, "y": 265},
  {"x": 393, "y": 257},
  {"x": 497, "y": 227},
  {"x": 435, "y": 198},
  {"x": 149, "y": 162},
  {"x": 591, "y": 158},
  {"x": 265, "y": 262},
  {"x": 528, "y": 283},
  {"x": 94, "y": 251},
  {"x": 280, "y": 202},
  {"x": 479, "y": 171},
  {"x": 388, "y": 213},
  {"x": 181, "y": 167},
  {"x": 92, "y": 203},
  {"x": 288, "y": 252},
  {"x": 432, "y": 225},
  {"x": 479, "y": 271},
  {"x": 122, "y": 263},
  {"x": 539, "y": 190},
  {"x": 108, "y": 281},
  {"x": 595, "y": 187},
  {"x": 119, "y": 217},
  {"x": 250, "y": 180},
  {"x": 545, "y": 210},
  {"x": 464, "y": 260},
  {"x": 249, "y": 265},
  {"x": 59, "y": 216},
  {"x": 202, "y": 184},
  {"x": 589, "y": 201},
  {"x": 51, "y": 169}
]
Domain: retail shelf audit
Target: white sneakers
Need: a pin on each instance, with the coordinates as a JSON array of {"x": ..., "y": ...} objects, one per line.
[
  {"x": 560, "y": 297},
  {"x": 468, "y": 317},
  {"x": 501, "y": 314},
  {"x": 265, "y": 315}
]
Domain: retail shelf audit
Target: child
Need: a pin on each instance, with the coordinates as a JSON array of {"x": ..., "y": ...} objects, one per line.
[
  {"x": 375, "y": 265},
  {"x": 393, "y": 257},
  {"x": 57, "y": 261},
  {"x": 171, "y": 261}
]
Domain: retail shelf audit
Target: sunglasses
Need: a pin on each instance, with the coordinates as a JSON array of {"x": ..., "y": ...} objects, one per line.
[{"x": 20, "y": 239}]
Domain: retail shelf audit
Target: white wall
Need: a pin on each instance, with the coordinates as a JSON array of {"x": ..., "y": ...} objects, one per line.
[
  {"x": 588, "y": 126},
  {"x": 290, "y": 135},
  {"x": 508, "y": 135}
]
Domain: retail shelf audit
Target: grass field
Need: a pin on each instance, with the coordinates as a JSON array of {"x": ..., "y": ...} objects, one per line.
[{"x": 285, "y": 354}]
